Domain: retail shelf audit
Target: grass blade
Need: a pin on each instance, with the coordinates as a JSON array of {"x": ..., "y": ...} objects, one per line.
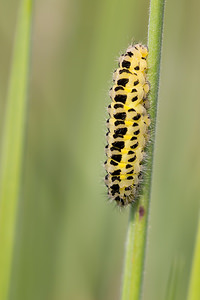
[
  {"x": 174, "y": 279},
  {"x": 138, "y": 221},
  {"x": 194, "y": 288},
  {"x": 13, "y": 141}
]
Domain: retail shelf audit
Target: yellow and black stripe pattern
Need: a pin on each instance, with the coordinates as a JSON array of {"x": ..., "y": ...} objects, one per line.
[{"x": 127, "y": 126}]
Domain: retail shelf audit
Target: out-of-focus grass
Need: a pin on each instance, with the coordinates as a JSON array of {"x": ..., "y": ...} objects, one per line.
[
  {"x": 194, "y": 284},
  {"x": 70, "y": 241},
  {"x": 13, "y": 143}
]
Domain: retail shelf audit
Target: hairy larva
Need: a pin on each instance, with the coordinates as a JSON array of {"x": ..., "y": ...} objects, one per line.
[{"x": 127, "y": 126}]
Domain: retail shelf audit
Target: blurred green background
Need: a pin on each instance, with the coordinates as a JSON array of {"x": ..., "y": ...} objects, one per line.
[{"x": 69, "y": 239}]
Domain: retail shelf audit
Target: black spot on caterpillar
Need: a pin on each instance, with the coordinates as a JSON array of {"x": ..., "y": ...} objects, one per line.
[{"x": 127, "y": 126}]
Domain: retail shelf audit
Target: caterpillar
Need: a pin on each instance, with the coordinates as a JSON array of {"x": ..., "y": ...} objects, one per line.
[{"x": 127, "y": 126}]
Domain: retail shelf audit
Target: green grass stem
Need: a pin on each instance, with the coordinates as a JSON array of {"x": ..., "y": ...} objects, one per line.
[
  {"x": 138, "y": 221},
  {"x": 13, "y": 143},
  {"x": 194, "y": 287}
]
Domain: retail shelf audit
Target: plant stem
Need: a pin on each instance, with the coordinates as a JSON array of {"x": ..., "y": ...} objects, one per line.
[
  {"x": 138, "y": 221},
  {"x": 194, "y": 288},
  {"x": 13, "y": 142}
]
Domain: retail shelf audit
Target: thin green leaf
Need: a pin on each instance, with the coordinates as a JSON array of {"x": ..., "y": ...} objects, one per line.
[
  {"x": 174, "y": 279},
  {"x": 13, "y": 144},
  {"x": 194, "y": 288},
  {"x": 138, "y": 221}
]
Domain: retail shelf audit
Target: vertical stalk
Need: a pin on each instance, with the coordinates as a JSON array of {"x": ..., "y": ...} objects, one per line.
[
  {"x": 13, "y": 143},
  {"x": 138, "y": 221},
  {"x": 194, "y": 288}
]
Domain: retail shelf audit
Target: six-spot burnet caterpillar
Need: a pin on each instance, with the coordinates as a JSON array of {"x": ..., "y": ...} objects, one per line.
[{"x": 127, "y": 126}]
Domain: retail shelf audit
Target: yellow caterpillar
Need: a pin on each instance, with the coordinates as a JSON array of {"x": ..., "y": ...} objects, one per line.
[{"x": 127, "y": 126}]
